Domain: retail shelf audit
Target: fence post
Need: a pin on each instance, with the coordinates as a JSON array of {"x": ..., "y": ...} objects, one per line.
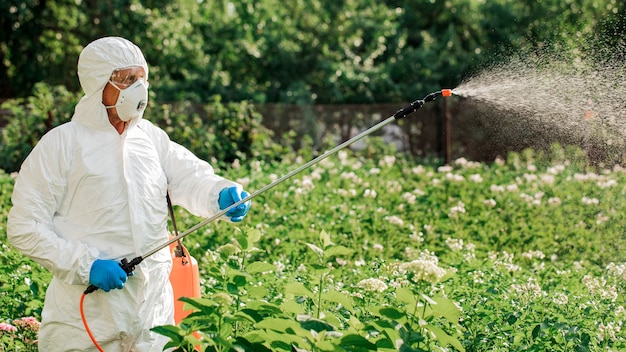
[{"x": 447, "y": 133}]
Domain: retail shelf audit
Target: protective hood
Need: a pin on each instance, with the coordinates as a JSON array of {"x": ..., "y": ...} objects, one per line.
[{"x": 95, "y": 64}]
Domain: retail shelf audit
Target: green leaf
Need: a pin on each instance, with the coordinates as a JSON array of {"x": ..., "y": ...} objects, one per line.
[
  {"x": 242, "y": 240},
  {"x": 447, "y": 309},
  {"x": 293, "y": 307},
  {"x": 171, "y": 331},
  {"x": 310, "y": 323},
  {"x": 338, "y": 251},
  {"x": 405, "y": 295},
  {"x": 353, "y": 341},
  {"x": 278, "y": 324},
  {"x": 317, "y": 250},
  {"x": 298, "y": 289},
  {"x": 254, "y": 235},
  {"x": 228, "y": 249},
  {"x": 200, "y": 303},
  {"x": 325, "y": 239},
  {"x": 264, "y": 307},
  {"x": 259, "y": 267},
  {"x": 248, "y": 315},
  {"x": 338, "y": 297},
  {"x": 388, "y": 312},
  {"x": 444, "y": 338}
]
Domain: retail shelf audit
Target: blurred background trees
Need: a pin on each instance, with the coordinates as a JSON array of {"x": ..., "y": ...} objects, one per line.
[
  {"x": 257, "y": 78},
  {"x": 300, "y": 51}
]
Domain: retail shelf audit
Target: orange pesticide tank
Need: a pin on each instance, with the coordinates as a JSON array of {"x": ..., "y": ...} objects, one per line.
[{"x": 185, "y": 279}]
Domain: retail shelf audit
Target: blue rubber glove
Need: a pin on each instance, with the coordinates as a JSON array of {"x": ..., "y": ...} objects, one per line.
[
  {"x": 107, "y": 275},
  {"x": 229, "y": 196}
]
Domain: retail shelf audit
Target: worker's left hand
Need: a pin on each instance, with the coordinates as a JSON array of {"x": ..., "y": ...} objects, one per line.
[{"x": 231, "y": 195}]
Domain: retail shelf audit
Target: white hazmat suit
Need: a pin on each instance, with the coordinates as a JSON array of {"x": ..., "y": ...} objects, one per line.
[{"x": 86, "y": 192}]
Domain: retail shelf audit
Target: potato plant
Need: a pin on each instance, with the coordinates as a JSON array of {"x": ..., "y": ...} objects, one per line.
[{"x": 372, "y": 251}]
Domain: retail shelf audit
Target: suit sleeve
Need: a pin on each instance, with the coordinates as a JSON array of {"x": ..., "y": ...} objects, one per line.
[
  {"x": 192, "y": 182},
  {"x": 39, "y": 188}
]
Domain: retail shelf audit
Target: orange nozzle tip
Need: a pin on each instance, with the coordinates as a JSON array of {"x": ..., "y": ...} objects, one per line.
[{"x": 446, "y": 92}]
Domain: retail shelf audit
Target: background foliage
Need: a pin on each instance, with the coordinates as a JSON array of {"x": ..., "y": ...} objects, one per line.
[{"x": 302, "y": 51}]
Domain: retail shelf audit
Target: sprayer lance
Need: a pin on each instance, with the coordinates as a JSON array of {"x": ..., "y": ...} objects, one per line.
[{"x": 402, "y": 113}]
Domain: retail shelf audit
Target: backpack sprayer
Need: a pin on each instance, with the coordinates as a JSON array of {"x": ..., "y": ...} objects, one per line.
[{"x": 129, "y": 266}]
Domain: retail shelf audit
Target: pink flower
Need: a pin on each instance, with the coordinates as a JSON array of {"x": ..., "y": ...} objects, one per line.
[
  {"x": 28, "y": 323},
  {"x": 7, "y": 327}
]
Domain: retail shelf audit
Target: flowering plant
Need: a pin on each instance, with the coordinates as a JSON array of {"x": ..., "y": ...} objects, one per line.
[{"x": 21, "y": 335}]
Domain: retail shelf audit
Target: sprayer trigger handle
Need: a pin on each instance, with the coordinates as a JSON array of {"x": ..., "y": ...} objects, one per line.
[
  {"x": 129, "y": 267},
  {"x": 90, "y": 289}
]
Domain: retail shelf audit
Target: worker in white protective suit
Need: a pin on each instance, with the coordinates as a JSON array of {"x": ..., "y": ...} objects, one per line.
[{"x": 93, "y": 191}]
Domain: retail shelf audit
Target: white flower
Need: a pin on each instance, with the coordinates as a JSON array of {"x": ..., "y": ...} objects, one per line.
[
  {"x": 387, "y": 160},
  {"x": 616, "y": 270},
  {"x": 454, "y": 177},
  {"x": 590, "y": 201},
  {"x": 554, "y": 200},
  {"x": 512, "y": 188},
  {"x": 477, "y": 178},
  {"x": 461, "y": 162},
  {"x": 490, "y": 202},
  {"x": 560, "y": 299},
  {"x": 533, "y": 254},
  {"x": 530, "y": 177},
  {"x": 424, "y": 269},
  {"x": 418, "y": 170},
  {"x": 497, "y": 188},
  {"x": 609, "y": 331},
  {"x": 307, "y": 182},
  {"x": 370, "y": 193},
  {"x": 455, "y": 244},
  {"x": 607, "y": 183},
  {"x": 547, "y": 179},
  {"x": 445, "y": 168},
  {"x": 409, "y": 198},
  {"x": 477, "y": 276},
  {"x": 601, "y": 218},
  {"x": 459, "y": 208},
  {"x": 599, "y": 287},
  {"x": 530, "y": 290},
  {"x": 372, "y": 285},
  {"x": 395, "y": 220},
  {"x": 245, "y": 181}
]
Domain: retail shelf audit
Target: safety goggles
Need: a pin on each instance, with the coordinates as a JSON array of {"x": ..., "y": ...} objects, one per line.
[{"x": 125, "y": 77}]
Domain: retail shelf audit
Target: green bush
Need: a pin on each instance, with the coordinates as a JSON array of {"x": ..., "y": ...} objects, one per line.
[
  {"x": 216, "y": 132},
  {"x": 30, "y": 118}
]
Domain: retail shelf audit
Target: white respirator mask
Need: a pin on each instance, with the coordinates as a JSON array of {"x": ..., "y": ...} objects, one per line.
[{"x": 132, "y": 101}]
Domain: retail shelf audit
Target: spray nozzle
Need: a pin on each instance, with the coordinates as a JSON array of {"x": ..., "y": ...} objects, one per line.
[{"x": 420, "y": 102}]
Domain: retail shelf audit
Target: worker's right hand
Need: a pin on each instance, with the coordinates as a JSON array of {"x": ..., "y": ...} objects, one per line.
[
  {"x": 231, "y": 195},
  {"x": 107, "y": 275}
]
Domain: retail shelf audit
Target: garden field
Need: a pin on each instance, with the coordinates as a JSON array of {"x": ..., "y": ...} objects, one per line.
[{"x": 370, "y": 250}]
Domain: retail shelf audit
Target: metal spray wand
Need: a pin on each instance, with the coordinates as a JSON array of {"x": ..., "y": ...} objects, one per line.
[{"x": 129, "y": 266}]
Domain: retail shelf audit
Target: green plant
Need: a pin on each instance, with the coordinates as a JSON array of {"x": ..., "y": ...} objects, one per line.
[
  {"x": 371, "y": 251},
  {"x": 29, "y": 119}
]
